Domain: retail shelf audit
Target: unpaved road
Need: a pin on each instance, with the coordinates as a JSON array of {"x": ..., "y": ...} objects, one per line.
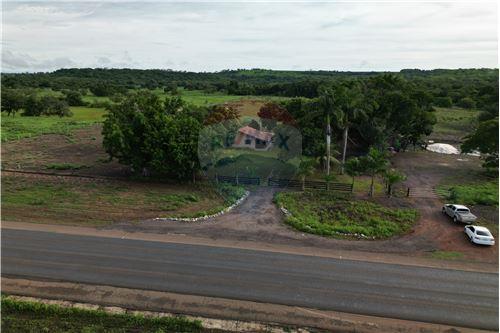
[
  {"x": 385, "y": 290},
  {"x": 258, "y": 219}
]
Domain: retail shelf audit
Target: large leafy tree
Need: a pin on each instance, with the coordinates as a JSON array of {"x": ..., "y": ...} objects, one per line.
[
  {"x": 152, "y": 136},
  {"x": 485, "y": 140},
  {"x": 12, "y": 101}
]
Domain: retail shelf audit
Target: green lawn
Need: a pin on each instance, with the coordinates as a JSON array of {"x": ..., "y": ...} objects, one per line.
[
  {"x": 339, "y": 216},
  {"x": 18, "y": 127},
  {"x": 35, "y": 317},
  {"x": 453, "y": 123}
]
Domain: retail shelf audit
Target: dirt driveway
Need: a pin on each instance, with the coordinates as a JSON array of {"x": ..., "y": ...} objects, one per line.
[
  {"x": 258, "y": 219},
  {"x": 425, "y": 170}
]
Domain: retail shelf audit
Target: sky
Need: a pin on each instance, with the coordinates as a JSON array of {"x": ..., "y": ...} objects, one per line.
[{"x": 213, "y": 36}]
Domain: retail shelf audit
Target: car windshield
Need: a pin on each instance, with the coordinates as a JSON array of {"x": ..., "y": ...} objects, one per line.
[
  {"x": 483, "y": 233},
  {"x": 463, "y": 210}
]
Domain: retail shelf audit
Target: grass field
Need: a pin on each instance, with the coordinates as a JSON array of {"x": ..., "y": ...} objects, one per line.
[
  {"x": 200, "y": 97},
  {"x": 338, "y": 216},
  {"x": 74, "y": 201},
  {"x": 35, "y": 317},
  {"x": 480, "y": 193},
  {"x": 19, "y": 127},
  {"x": 453, "y": 124},
  {"x": 258, "y": 164}
]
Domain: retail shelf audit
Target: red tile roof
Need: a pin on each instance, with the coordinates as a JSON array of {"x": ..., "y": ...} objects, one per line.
[{"x": 261, "y": 135}]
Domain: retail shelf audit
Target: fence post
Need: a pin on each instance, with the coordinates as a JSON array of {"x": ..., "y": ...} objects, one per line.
[
  {"x": 408, "y": 192},
  {"x": 237, "y": 182}
]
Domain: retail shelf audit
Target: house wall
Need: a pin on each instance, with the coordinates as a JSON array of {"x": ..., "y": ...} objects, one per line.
[{"x": 240, "y": 141}]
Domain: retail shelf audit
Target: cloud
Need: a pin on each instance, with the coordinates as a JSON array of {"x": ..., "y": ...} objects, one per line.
[
  {"x": 20, "y": 62},
  {"x": 209, "y": 36}
]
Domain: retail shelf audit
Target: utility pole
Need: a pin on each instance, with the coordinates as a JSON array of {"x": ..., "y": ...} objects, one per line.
[{"x": 328, "y": 141}]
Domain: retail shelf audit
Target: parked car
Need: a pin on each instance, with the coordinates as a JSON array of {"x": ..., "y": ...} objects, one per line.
[
  {"x": 459, "y": 213},
  {"x": 479, "y": 235}
]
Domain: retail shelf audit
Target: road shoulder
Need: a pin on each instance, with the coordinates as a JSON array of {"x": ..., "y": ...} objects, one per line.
[
  {"x": 279, "y": 248},
  {"x": 212, "y": 307}
]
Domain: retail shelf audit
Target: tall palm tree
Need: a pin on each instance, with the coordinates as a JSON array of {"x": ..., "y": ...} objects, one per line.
[
  {"x": 349, "y": 107},
  {"x": 327, "y": 105}
]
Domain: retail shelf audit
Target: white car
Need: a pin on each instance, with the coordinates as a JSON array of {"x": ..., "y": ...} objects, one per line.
[
  {"x": 479, "y": 235},
  {"x": 459, "y": 213}
]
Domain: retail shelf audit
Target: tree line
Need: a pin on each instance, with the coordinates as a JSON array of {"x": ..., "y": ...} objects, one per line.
[{"x": 467, "y": 88}]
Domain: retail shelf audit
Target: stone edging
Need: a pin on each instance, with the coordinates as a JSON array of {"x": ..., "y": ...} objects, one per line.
[{"x": 206, "y": 217}]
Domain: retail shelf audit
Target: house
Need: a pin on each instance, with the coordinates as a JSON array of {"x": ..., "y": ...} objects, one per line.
[{"x": 249, "y": 137}]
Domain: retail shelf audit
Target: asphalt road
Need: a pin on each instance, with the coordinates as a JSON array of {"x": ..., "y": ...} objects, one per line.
[{"x": 452, "y": 297}]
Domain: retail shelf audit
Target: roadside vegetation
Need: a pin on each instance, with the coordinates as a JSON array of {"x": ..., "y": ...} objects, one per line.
[
  {"x": 447, "y": 255},
  {"x": 92, "y": 202},
  {"x": 34, "y": 317},
  {"x": 338, "y": 216}
]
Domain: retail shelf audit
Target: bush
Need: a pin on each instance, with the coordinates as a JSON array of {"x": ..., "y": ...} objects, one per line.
[
  {"x": 467, "y": 103},
  {"x": 444, "y": 102},
  {"x": 65, "y": 166},
  {"x": 475, "y": 194},
  {"x": 74, "y": 98}
]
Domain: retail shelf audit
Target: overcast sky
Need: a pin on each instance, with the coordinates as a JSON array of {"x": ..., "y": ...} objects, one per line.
[{"x": 211, "y": 36}]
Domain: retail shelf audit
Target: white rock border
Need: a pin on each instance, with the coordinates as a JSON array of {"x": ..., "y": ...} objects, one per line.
[
  {"x": 205, "y": 217},
  {"x": 287, "y": 213}
]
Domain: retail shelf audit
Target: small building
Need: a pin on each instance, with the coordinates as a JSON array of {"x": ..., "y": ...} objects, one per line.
[{"x": 249, "y": 137}]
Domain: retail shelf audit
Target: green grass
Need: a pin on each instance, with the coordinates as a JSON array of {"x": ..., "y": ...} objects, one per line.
[
  {"x": 230, "y": 194},
  {"x": 65, "y": 166},
  {"x": 453, "y": 123},
  {"x": 201, "y": 98},
  {"x": 52, "y": 200},
  {"x": 338, "y": 216},
  {"x": 446, "y": 255},
  {"x": 480, "y": 193},
  {"x": 35, "y": 317},
  {"x": 255, "y": 164},
  {"x": 18, "y": 127}
]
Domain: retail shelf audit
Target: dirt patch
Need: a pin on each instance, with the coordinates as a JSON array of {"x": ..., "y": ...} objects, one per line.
[
  {"x": 248, "y": 108},
  {"x": 425, "y": 171},
  {"x": 83, "y": 148}
]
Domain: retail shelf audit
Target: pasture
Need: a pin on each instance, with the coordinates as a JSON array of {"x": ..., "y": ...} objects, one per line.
[{"x": 18, "y": 127}]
